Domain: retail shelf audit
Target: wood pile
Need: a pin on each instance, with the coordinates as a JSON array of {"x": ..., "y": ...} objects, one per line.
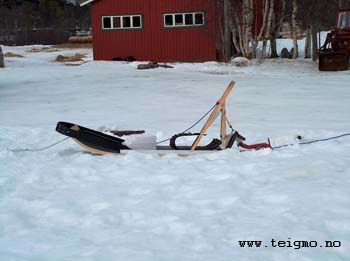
[
  {"x": 74, "y": 58},
  {"x": 42, "y": 49},
  {"x": 80, "y": 39}
]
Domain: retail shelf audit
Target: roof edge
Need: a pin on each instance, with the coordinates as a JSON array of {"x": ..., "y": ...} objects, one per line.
[{"x": 86, "y": 2}]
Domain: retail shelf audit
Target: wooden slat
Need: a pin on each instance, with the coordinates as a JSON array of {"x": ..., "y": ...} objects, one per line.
[
  {"x": 206, "y": 126},
  {"x": 213, "y": 115},
  {"x": 227, "y": 91},
  {"x": 223, "y": 124}
]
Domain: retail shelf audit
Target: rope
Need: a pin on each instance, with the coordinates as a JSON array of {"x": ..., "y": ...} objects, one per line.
[
  {"x": 230, "y": 125},
  {"x": 212, "y": 108},
  {"x": 313, "y": 141},
  {"x": 40, "y": 149}
]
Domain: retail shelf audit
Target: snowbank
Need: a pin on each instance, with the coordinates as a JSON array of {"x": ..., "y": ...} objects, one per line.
[{"x": 66, "y": 204}]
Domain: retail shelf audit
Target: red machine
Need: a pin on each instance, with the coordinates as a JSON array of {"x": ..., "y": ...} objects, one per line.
[{"x": 335, "y": 52}]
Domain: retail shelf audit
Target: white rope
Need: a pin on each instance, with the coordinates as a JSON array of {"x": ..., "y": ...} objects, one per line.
[{"x": 40, "y": 149}]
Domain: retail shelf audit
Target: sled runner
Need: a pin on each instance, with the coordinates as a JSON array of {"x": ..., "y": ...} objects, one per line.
[{"x": 101, "y": 143}]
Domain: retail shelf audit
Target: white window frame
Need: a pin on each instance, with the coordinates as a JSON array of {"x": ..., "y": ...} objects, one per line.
[
  {"x": 111, "y": 17},
  {"x": 183, "y": 19}
]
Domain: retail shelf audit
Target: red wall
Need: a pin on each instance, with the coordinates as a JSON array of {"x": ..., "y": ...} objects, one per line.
[{"x": 154, "y": 42}]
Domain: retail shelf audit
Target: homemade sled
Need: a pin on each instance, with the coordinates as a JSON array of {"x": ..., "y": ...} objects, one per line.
[{"x": 101, "y": 143}]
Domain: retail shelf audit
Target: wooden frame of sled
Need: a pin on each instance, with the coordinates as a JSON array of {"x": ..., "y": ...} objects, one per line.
[{"x": 101, "y": 143}]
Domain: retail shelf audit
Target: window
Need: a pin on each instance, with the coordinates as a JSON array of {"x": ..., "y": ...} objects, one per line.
[
  {"x": 122, "y": 22},
  {"x": 136, "y": 21},
  {"x": 199, "y": 19},
  {"x": 126, "y": 21},
  {"x": 106, "y": 23},
  {"x": 179, "y": 20},
  {"x": 168, "y": 20},
  {"x": 116, "y": 22},
  {"x": 184, "y": 19},
  {"x": 344, "y": 20},
  {"x": 188, "y": 19}
]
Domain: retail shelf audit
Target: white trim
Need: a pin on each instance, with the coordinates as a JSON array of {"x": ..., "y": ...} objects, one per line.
[{"x": 86, "y": 2}]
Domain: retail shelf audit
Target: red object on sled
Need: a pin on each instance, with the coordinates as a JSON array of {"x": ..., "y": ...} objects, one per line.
[{"x": 256, "y": 146}]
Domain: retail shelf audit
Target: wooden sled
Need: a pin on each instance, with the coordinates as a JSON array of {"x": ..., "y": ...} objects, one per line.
[{"x": 101, "y": 143}]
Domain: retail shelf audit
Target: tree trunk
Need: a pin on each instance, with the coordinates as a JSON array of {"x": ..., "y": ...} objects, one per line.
[
  {"x": 273, "y": 45},
  {"x": 264, "y": 47},
  {"x": 294, "y": 30},
  {"x": 279, "y": 17},
  {"x": 269, "y": 26},
  {"x": 2, "y": 64},
  {"x": 222, "y": 38},
  {"x": 314, "y": 43},
  {"x": 307, "y": 49},
  {"x": 247, "y": 23},
  {"x": 264, "y": 24},
  {"x": 235, "y": 40},
  {"x": 240, "y": 37},
  {"x": 268, "y": 20},
  {"x": 227, "y": 31}
]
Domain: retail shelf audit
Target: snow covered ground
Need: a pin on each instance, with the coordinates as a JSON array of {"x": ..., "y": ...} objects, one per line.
[{"x": 67, "y": 204}]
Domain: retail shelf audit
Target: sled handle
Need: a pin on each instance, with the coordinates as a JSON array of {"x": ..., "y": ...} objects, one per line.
[{"x": 219, "y": 105}]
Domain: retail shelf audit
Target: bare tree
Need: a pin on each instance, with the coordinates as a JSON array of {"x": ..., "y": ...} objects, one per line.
[
  {"x": 227, "y": 31},
  {"x": 279, "y": 18},
  {"x": 269, "y": 25},
  {"x": 294, "y": 29},
  {"x": 247, "y": 25},
  {"x": 245, "y": 40},
  {"x": 307, "y": 47},
  {"x": 263, "y": 34}
]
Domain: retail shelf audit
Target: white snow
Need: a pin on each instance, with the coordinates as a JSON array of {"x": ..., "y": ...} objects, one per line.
[{"x": 67, "y": 204}]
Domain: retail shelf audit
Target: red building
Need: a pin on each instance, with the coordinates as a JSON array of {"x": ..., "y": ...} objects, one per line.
[{"x": 160, "y": 31}]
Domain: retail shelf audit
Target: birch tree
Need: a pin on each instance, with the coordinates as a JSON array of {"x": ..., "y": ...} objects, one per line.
[
  {"x": 294, "y": 29},
  {"x": 241, "y": 27},
  {"x": 307, "y": 47},
  {"x": 309, "y": 15},
  {"x": 247, "y": 23},
  {"x": 278, "y": 21},
  {"x": 269, "y": 24},
  {"x": 263, "y": 34},
  {"x": 227, "y": 31},
  {"x": 242, "y": 23}
]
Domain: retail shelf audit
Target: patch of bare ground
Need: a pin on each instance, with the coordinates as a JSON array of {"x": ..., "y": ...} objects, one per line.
[
  {"x": 75, "y": 64},
  {"x": 9, "y": 54},
  {"x": 74, "y": 45},
  {"x": 78, "y": 57},
  {"x": 42, "y": 49}
]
